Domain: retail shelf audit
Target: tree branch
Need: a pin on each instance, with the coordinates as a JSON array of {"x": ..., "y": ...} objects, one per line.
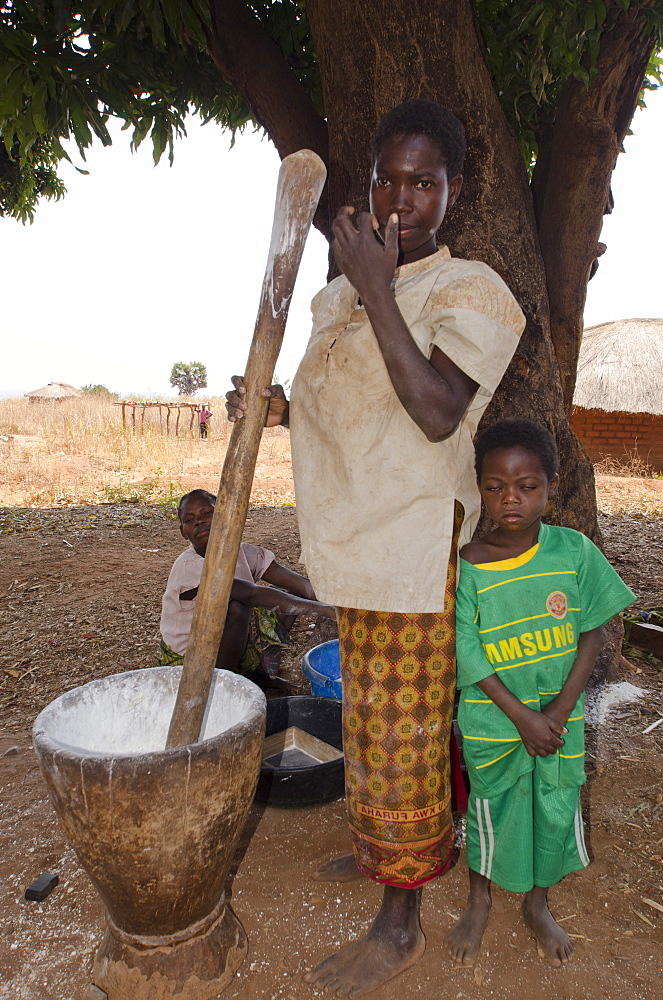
[
  {"x": 249, "y": 59},
  {"x": 574, "y": 189}
]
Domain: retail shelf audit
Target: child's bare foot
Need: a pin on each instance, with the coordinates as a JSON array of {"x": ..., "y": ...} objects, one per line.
[
  {"x": 392, "y": 945},
  {"x": 341, "y": 869},
  {"x": 465, "y": 938},
  {"x": 554, "y": 940}
]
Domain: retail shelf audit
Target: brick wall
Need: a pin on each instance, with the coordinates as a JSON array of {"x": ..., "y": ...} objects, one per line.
[{"x": 620, "y": 435}]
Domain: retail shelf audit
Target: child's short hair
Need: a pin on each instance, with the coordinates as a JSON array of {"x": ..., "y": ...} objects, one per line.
[
  {"x": 428, "y": 118},
  {"x": 195, "y": 495},
  {"x": 518, "y": 434}
]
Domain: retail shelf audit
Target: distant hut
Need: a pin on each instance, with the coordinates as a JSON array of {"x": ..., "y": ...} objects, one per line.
[
  {"x": 54, "y": 392},
  {"x": 618, "y": 401}
]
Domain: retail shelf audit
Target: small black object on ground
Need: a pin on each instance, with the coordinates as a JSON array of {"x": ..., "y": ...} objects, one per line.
[
  {"x": 41, "y": 887},
  {"x": 292, "y": 774}
]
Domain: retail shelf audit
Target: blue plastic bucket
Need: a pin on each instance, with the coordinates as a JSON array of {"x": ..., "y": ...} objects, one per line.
[{"x": 322, "y": 666}]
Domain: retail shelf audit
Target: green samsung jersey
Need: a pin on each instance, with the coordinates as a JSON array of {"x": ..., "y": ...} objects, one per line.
[{"x": 521, "y": 619}]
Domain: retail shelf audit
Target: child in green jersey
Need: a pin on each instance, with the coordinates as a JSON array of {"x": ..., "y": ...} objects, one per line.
[{"x": 531, "y": 604}]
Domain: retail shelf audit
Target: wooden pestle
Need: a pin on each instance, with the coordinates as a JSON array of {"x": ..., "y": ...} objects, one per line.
[{"x": 301, "y": 179}]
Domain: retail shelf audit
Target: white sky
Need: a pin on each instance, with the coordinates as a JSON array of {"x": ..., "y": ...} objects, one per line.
[{"x": 139, "y": 267}]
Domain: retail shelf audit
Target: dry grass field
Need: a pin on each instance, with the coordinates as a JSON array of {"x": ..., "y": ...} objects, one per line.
[
  {"x": 77, "y": 451},
  {"x": 59, "y": 454}
]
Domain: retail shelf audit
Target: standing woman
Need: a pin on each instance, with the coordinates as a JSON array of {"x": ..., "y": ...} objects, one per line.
[{"x": 408, "y": 346}]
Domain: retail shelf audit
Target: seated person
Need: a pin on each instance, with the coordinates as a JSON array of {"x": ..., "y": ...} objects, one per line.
[{"x": 258, "y": 618}]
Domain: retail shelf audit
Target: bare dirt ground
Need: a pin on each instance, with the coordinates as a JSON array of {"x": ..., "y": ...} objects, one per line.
[{"x": 81, "y": 588}]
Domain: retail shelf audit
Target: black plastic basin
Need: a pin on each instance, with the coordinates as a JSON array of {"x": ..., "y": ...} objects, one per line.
[{"x": 304, "y": 786}]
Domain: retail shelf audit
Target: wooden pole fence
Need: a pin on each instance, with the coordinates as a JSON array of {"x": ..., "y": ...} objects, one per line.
[{"x": 143, "y": 405}]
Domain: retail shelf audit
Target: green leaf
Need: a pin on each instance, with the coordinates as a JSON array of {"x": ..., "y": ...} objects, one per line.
[
  {"x": 204, "y": 11},
  {"x": 126, "y": 15},
  {"x": 79, "y": 124},
  {"x": 192, "y": 21},
  {"x": 38, "y": 106},
  {"x": 59, "y": 150},
  {"x": 590, "y": 18},
  {"x": 159, "y": 138}
]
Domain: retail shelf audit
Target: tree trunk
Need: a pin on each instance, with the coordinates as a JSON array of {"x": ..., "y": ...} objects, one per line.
[
  {"x": 590, "y": 126},
  {"x": 434, "y": 50}
]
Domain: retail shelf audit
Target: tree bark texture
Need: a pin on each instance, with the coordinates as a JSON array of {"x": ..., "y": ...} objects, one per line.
[
  {"x": 590, "y": 126},
  {"x": 370, "y": 59}
]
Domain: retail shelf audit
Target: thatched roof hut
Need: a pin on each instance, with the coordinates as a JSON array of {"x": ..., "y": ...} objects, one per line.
[
  {"x": 618, "y": 402},
  {"x": 620, "y": 368},
  {"x": 53, "y": 391}
]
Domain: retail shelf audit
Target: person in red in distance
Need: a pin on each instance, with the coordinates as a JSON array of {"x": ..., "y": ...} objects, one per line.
[{"x": 204, "y": 413}]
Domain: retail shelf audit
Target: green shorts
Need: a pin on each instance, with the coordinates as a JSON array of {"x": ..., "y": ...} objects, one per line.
[{"x": 532, "y": 834}]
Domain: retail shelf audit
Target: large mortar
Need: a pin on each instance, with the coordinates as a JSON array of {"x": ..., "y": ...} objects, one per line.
[{"x": 156, "y": 829}]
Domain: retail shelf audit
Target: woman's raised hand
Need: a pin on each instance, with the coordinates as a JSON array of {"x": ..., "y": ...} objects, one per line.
[
  {"x": 278, "y": 411},
  {"x": 363, "y": 256}
]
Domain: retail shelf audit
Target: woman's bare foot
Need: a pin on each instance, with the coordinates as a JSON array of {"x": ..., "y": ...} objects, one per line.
[
  {"x": 465, "y": 938},
  {"x": 341, "y": 869},
  {"x": 554, "y": 940},
  {"x": 392, "y": 945}
]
